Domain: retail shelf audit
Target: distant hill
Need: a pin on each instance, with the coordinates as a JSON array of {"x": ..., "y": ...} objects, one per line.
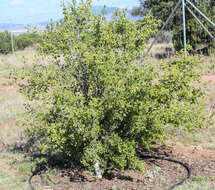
[
  {"x": 8, "y": 26},
  {"x": 20, "y": 28},
  {"x": 111, "y": 10}
]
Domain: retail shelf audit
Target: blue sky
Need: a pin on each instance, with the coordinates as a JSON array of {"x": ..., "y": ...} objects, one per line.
[{"x": 33, "y": 11}]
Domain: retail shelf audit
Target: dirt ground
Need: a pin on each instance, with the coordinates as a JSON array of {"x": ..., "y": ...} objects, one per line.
[{"x": 159, "y": 174}]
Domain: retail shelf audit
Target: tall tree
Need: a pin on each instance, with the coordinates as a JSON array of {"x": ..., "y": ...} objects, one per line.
[{"x": 196, "y": 36}]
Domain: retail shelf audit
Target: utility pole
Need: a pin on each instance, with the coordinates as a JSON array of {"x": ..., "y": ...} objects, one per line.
[
  {"x": 12, "y": 47},
  {"x": 184, "y": 27}
]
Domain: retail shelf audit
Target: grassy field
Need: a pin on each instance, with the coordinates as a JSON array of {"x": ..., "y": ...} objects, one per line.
[{"x": 15, "y": 167}]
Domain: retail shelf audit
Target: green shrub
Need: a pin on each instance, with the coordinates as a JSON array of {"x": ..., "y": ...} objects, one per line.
[{"x": 97, "y": 101}]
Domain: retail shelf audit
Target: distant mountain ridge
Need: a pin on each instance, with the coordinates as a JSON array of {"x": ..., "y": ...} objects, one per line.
[
  {"x": 111, "y": 10},
  {"x": 9, "y": 26},
  {"x": 21, "y": 27}
]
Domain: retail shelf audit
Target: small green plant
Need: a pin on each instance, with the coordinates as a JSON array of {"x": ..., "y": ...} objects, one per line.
[
  {"x": 116, "y": 187},
  {"x": 151, "y": 174},
  {"x": 97, "y": 101},
  {"x": 25, "y": 167},
  {"x": 199, "y": 183},
  {"x": 199, "y": 179}
]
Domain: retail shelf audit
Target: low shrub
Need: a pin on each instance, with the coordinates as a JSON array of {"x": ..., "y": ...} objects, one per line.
[{"x": 97, "y": 101}]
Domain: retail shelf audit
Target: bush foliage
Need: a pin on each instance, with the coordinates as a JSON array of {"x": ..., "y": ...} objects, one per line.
[{"x": 98, "y": 100}]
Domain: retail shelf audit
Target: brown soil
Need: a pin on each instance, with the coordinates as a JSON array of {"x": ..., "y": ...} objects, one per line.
[
  {"x": 3, "y": 85},
  {"x": 194, "y": 152},
  {"x": 159, "y": 174},
  {"x": 7, "y": 124},
  {"x": 209, "y": 78}
]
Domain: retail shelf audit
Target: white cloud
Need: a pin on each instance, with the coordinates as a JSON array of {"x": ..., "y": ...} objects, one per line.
[{"x": 16, "y": 2}]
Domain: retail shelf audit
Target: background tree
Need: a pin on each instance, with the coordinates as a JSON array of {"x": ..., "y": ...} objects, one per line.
[
  {"x": 25, "y": 40},
  {"x": 21, "y": 41},
  {"x": 5, "y": 42},
  {"x": 196, "y": 36}
]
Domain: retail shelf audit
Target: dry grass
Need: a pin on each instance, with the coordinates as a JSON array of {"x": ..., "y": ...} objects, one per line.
[
  {"x": 11, "y": 177},
  {"x": 199, "y": 183},
  {"x": 19, "y": 58}
]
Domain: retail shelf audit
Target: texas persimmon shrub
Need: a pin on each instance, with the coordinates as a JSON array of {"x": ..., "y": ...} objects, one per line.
[{"x": 97, "y": 101}]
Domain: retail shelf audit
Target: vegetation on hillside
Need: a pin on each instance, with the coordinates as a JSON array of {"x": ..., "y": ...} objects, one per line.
[
  {"x": 97, "y": 101},
  {"x": 20, "y": 41}
]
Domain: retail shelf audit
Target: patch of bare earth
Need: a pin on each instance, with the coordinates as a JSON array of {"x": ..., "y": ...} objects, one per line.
[
  {"x": 159, "y": 174},
  {"x": 7, "y": 124},
  {"x": 209, "y": 78}
]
